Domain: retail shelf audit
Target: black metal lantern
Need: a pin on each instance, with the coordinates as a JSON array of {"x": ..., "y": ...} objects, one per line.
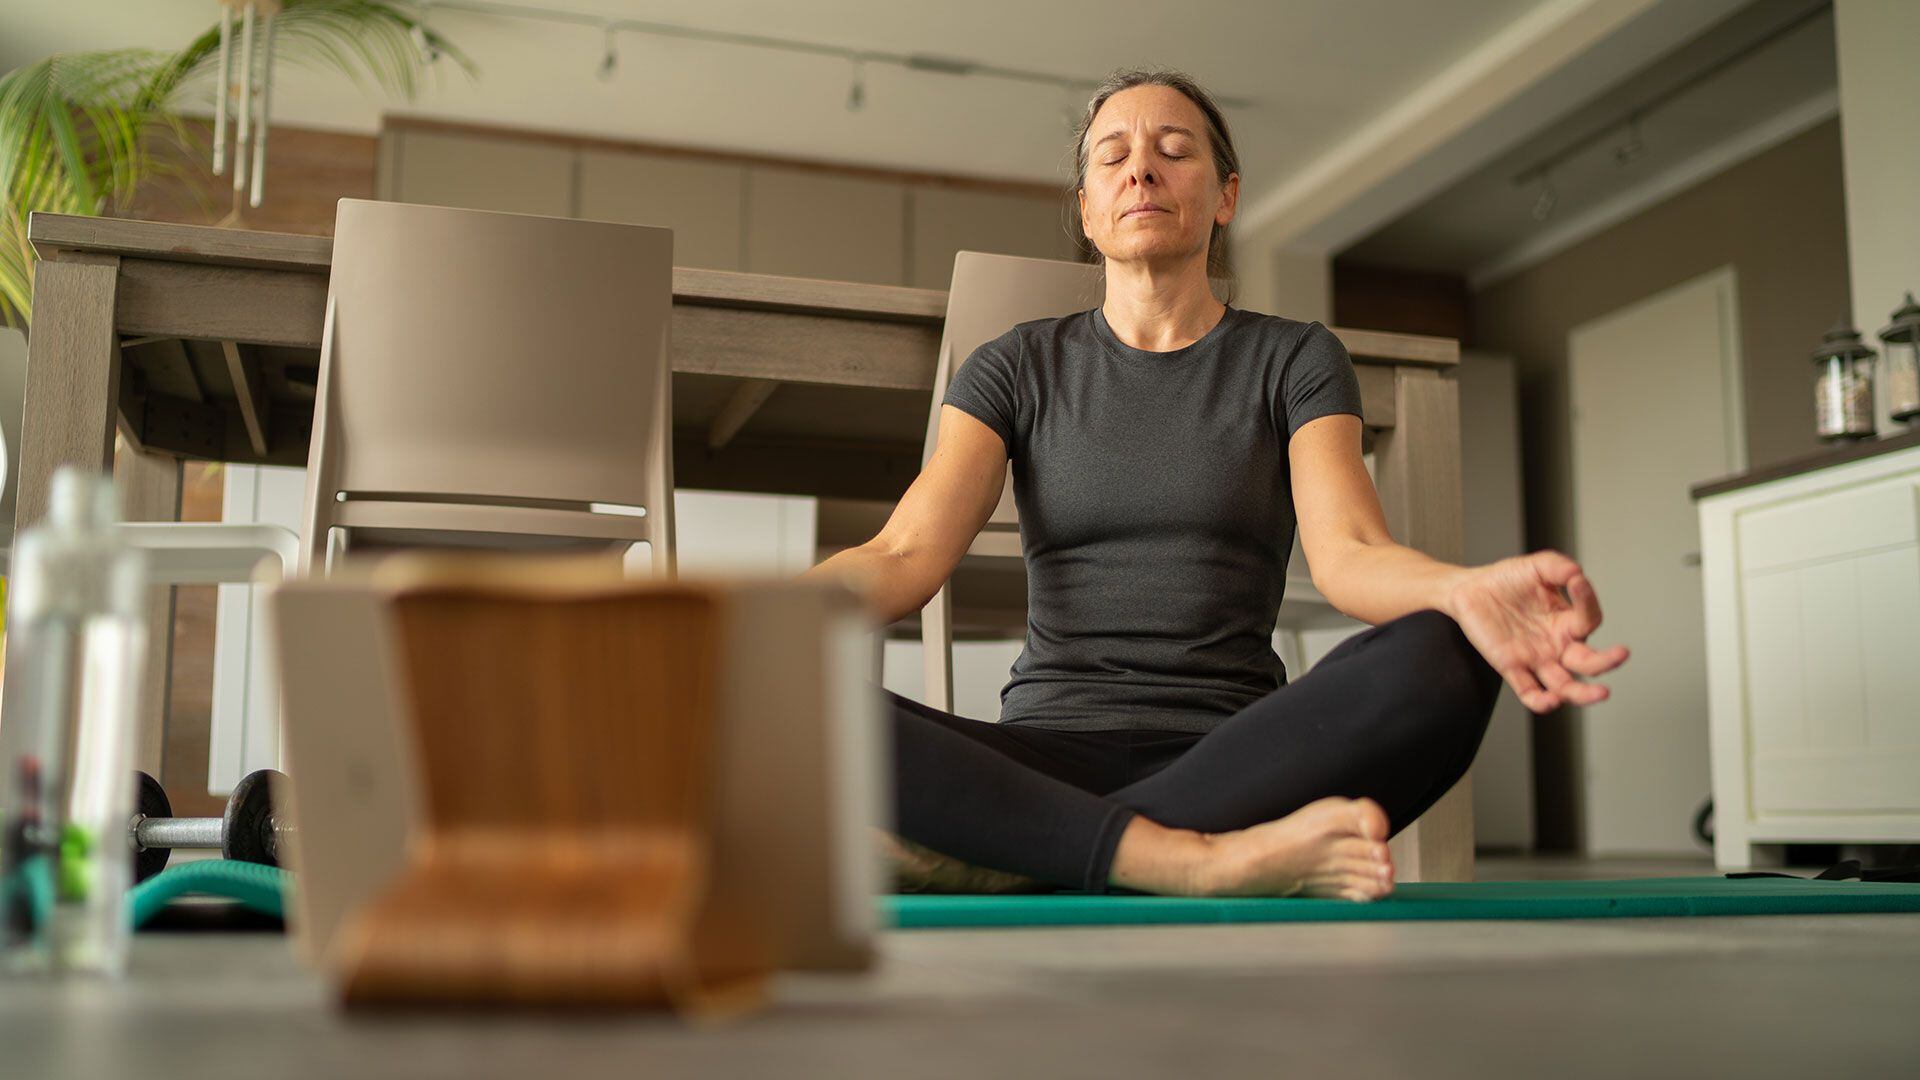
[
  {"x": 1843, "y": 385},
  {"x": 1902, "y": 340}
]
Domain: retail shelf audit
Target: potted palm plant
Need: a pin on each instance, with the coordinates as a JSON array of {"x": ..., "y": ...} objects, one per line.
[{"x": 81, "y": 132}]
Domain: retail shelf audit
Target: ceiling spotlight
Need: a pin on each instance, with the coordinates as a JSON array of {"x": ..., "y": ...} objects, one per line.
[
  {"x": 1543, "y": 206},
  {"x": 1632, "y": 149},
  {"x": 610, "y": 60},
  {"x": 857, "y": 90}
]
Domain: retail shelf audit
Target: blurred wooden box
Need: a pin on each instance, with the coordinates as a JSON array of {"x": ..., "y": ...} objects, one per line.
[{"x": 522, "y": 679}]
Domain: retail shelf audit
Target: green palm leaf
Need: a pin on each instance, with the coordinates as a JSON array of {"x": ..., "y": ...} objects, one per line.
[{"x": 79, "y": 131}]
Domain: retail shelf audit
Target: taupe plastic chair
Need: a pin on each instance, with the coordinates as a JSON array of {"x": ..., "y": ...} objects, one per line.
[
  {"x": 486, "y": 378},
  {"x": 990, "y": 294}
]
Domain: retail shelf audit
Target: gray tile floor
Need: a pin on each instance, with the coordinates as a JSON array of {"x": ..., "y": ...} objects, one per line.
[{"x": 1825, "y": 996}]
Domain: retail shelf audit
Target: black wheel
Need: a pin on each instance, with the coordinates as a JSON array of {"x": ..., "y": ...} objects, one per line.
[
  {"x": 150, "y": 801},
  {"x": 247, "y": 833}
]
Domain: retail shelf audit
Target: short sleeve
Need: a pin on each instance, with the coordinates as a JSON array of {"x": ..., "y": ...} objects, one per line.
[
  {"x": 1318, "y": 381},
  {"x": 985, "y": 385}
]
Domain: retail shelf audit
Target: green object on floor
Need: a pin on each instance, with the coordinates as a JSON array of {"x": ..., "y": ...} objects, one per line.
[
  {"x": 258, "y": 888},
  {"x": 1623, "y": 898}
]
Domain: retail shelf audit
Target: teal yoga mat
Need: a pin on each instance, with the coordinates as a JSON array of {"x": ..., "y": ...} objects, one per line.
[{"x": 1627, "y": 897}]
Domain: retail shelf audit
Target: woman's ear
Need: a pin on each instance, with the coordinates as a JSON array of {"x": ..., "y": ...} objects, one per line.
[{"x": 1229, "y": 200}]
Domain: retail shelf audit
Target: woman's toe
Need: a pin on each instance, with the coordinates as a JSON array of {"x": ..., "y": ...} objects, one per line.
[{"x": 1371, "y": 819}]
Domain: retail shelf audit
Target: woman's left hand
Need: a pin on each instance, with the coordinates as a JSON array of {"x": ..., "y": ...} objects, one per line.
[{"x": 1513, "y": 611}]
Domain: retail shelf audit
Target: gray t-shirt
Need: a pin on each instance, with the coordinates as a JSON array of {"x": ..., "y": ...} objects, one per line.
[{"x": 1156, "y": 514}]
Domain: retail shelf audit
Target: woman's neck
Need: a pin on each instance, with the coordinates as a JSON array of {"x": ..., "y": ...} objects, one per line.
[{"x": 1160, "y": 309}]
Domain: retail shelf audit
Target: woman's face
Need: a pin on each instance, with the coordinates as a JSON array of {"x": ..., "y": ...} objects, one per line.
[{"x": 1150, "y": 193}]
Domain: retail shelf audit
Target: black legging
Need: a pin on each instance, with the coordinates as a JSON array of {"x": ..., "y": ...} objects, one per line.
[{"x": 1394, "y": 713}]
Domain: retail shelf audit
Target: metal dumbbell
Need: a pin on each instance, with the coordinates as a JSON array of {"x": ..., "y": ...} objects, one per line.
[{"x": 250, "y": 831}]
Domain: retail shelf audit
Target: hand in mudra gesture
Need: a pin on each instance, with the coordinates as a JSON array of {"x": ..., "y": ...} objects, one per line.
[{"x": 1534, "y": 635}]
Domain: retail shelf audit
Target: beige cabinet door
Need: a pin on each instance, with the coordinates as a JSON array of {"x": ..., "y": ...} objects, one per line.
[
  {"x": 947, "y": 220},
  {"x": 819, "y": 225},
  {"x": 701, "y": 201},
  {"x": 478, "y": 172}
]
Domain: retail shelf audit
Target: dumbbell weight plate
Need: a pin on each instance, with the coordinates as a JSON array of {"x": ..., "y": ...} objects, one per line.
[
  {"x": 248, "y": 834},
  {"x": 150, "y": 800}
]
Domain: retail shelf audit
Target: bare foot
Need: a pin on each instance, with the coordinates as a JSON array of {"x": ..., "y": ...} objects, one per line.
[
  {"x": 920, "y": 869},
  {"x": 1333, "y": 847}
]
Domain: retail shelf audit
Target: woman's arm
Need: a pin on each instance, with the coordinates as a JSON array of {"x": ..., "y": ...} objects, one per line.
[
  {"x": 1512, "y": 611},
  {"x": 947, "y": 505},
  {"x": 1355, "y": 564}
]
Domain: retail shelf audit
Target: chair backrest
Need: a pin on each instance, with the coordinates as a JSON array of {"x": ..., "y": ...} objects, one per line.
[
  {"x": 495, "y": 358},
  {"x": 990, "y": 294}
]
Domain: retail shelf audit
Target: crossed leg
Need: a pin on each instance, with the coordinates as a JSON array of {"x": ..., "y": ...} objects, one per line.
[{"x": 1296, "y": 792}]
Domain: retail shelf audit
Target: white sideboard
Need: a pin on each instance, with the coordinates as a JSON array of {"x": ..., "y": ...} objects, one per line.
[{"x": 1812, "y": 579}]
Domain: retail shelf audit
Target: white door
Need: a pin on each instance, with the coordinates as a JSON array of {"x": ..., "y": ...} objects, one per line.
[{"x": 1656, "y": 407}]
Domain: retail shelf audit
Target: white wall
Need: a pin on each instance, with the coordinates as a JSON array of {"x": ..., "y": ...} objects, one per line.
[
  {"x": 980, "y": 670},
  {"x": 1879, "y": 91},
  {"x": 1281, "y": 280}
]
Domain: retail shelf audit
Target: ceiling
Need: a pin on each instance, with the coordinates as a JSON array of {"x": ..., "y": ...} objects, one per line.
[
  {"x": 1484, "y": 226},
  {"x": 1315, "y": 71}
]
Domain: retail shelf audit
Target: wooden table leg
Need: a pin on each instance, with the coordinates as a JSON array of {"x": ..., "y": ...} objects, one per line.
[
  {"x": 73, "y": 376},
  {"x": 1417, "y": 462},
  {"x": 150, "y": 491}
]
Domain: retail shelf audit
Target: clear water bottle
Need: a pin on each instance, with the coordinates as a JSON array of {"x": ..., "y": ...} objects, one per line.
[{"x": 76, "y": 646}]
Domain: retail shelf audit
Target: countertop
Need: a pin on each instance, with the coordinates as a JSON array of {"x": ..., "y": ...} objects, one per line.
[{"x": 1839, "y": 454}]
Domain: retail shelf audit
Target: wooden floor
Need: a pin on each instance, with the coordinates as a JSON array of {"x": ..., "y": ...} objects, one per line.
[{"x": 1763, "y": 996}]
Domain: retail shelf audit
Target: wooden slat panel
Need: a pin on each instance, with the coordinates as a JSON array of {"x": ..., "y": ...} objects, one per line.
[
  {"x": 803, "y": 348},
  {"x": 221, "y": 303}
]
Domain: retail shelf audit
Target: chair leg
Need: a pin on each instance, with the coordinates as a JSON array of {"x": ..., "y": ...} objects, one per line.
[
  {"x": 336, "y": 548},
  {"x": 936, "y": 636}
]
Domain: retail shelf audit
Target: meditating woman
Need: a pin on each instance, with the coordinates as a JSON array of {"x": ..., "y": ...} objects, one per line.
[{"x": 1163, "y": 446}]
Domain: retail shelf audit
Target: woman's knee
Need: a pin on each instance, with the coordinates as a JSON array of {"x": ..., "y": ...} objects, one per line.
[{"x": 1454, "y": 672}]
